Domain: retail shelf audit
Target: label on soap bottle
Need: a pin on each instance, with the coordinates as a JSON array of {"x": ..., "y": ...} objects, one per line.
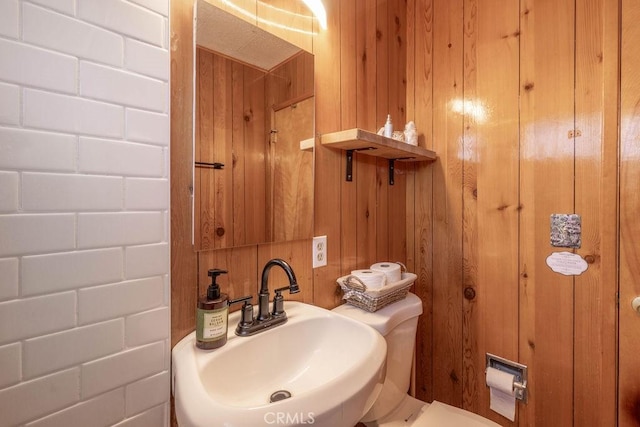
[{"x": 212, "y": 324}]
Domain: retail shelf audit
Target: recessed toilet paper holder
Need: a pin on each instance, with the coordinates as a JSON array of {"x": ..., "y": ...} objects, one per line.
[{"x": 516, "y": 369}]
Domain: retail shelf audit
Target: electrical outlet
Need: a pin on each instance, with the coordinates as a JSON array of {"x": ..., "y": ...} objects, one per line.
[{"x": 319, "y": 251}]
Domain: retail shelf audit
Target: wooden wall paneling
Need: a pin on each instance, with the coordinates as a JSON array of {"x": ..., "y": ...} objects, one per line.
[
  {"x": 629, "y": 326},
  {"x": 367, "y": 185},
  {"x": 396, "y": 214},
  {"x": 293, "y": 202},
  {"x": 447, "y": 202},
  {"x": 491, "y": 193},
  {"x": 241, "y": 264},
  {"x": 256, "y": 117},
  {"x": 349, "y": 63},
  {"x": 409, "y": 61},
  {"x": 472, "y": 150},
  {"x": 397, "y": 62},
  {"x": 397, "y": 30},
  {"x": 329, "y": 173},
  {"x": 205, "y": 208},
  {"x": 596, "y": 152},
  {"x": 183, "y": 258},
  {"x": 292, "y": 80},
  {"x": 221, "y": 189},
  {"x": 392, "y": 245},
  {"x": 383, "y": 72},
  {"x": 546, "y": 187},
  {"x": 297, "y": 254},
  {"x": 230, "y": 129},
  {"x": 366, "y": 174},
  {"x": 419, "y": 109},
  {"x": 240, "y": 152}
]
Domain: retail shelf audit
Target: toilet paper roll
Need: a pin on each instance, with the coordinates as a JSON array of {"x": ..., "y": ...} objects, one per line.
[
  {"x": 502, "y": 399},
  {"x": 371, "y": 279},
  {"x": 390, "y": 269}
]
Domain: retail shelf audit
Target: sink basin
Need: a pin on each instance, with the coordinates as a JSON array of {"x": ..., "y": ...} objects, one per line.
[{"x": 326, "y": 369}]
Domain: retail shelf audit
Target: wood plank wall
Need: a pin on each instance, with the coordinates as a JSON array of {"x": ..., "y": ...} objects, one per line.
[
  {"x": 231, "y": 128},
  {"x": 629, "y": 362},
  {"x": 235, "y": 111},
  {"x": 519, "y": 101},
  {"x": 359, "y": 61}
]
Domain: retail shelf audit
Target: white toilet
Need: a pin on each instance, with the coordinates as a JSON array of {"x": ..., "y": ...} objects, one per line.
[{"x": 398, "y": 323}]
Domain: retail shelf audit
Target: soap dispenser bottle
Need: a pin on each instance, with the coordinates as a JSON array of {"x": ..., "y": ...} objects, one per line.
[{"x": 212, "y": 315}]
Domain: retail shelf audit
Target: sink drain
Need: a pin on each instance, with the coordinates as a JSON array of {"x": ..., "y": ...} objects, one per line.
[{"x": 279, "y": 395}]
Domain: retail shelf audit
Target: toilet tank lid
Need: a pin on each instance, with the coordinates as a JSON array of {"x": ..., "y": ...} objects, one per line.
[{"x": 387, "y": 318}]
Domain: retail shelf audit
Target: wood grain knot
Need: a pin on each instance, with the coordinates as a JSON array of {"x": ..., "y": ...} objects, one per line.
[
  {"x": 453, "y": 376},
  {"x": 378, "y": 34},
  {"x": 469, "y": 293},
  {"x": 475, "y": 193},
  {"x": 220, "y": 231},
  {"x": 590, "y": 259},
  {"x": 532, "y": 344},
  {"x": 528, "y": 86},
  {"x": 514, "y": 34}
]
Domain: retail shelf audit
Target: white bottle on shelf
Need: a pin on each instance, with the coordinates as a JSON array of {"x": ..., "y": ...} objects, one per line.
[{"x": 388, "y": 127}]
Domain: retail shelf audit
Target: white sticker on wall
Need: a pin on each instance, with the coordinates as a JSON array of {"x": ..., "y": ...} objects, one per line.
[{"x": 567, "y": 263}]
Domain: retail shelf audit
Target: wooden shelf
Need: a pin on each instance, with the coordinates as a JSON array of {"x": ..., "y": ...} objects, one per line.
[{"x": 372, "y": 144}]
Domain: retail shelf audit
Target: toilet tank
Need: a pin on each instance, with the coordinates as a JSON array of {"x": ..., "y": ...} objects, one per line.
[{"x": 397, "y": 322}]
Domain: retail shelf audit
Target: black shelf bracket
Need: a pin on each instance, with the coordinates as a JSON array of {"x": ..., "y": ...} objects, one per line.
[
  {"x": 392, "y": 168},
  {"x": 349, "y": 175}
]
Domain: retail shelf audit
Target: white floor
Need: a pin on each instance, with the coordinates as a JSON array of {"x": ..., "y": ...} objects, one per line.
[{"x": 416, "y": 413}]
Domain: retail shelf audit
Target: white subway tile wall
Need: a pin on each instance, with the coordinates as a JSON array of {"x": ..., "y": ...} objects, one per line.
[
  {"x": 53, "y": 30},
  {"x": 8, "y": 191},
  {"x": 9, "y": 110},
  {"x": 104, "y": 410},
  {"x": 9, "y": 268},
  {"x": 35, "y": 398},
  {"x": 84, "y": 208},
  {"x": 10, "y": 360},
  {"x": 9, "y": 21}
]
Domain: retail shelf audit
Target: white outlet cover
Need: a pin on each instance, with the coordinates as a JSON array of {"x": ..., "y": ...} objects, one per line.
[{"x": 319, "y": 251}]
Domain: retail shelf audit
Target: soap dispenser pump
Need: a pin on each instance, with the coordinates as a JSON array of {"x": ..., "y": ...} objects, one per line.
[{"x": 212, "y": 315}]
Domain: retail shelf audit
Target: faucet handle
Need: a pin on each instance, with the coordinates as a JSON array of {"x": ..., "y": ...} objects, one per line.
[
  {"x": 247, "y": 309},
  {"x": 278, "y": 302}
]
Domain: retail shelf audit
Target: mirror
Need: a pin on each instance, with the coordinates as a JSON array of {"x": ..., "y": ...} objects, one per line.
[{"x": 253, "y": 138}]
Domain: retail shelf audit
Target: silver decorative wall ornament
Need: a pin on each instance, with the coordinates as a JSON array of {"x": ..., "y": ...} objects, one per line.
[{"x": 566, "y": 231}]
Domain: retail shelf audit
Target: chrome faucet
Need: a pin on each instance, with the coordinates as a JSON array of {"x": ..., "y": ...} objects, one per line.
[{"x": 265, "y": 320}]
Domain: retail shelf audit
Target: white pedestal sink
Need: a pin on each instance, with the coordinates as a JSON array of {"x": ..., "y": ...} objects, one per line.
[{"x": 331, "y": 367}]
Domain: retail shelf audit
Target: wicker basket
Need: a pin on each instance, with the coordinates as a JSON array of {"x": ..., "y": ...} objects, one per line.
[{"x": 357, "y": 294}]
